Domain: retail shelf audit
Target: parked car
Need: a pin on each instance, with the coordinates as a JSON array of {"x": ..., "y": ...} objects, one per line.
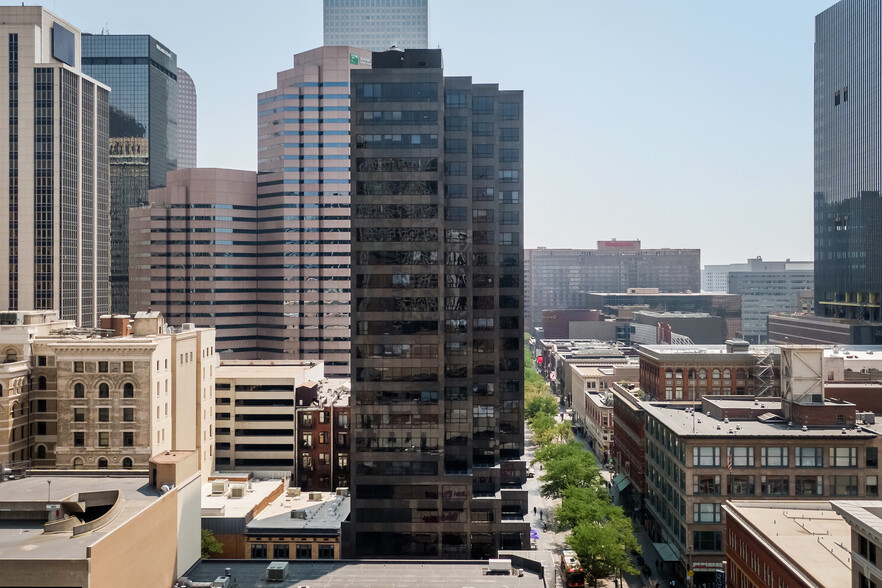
[{"x": 531, "y": 473}]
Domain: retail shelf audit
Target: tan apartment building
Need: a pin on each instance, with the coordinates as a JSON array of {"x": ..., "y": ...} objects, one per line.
[
  {"x": 589, "y": 386},
  {"x": 283, "y": 417},
  {"x": 108, "y": 398},
  {"x": 55, "y": 198}
]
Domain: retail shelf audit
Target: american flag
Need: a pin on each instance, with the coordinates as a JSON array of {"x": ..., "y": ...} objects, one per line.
[{"x": 729, "y": 461}]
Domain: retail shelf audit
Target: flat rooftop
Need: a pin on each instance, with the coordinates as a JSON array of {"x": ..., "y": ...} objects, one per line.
[
  {"x": 324, "y": 516},
  {"x": 709, "y": 350},
  {"x": 818, "y": 537},
  {"x": 698, "y": 424},
  {"x": 864, "y": 515},
  {"x": 259, "y": 370},
  {"x": 26, "y": 540},
  {"x": 364, "y": 574}
]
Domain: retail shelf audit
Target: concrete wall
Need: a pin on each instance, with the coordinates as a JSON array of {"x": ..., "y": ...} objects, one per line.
[{"x": 142, "y": 552}]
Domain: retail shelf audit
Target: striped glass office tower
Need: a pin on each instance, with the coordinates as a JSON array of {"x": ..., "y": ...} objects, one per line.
[
  {"x": 54, "y": 194},
  {"x": 848, "y": 160},
  {"x": 437, "y": 294},
  {"x": 377, "y": 25},
  {"x": 303, "y": 293}
]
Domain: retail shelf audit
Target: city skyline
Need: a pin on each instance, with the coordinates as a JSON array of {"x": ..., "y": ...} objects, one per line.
[{"x": 704, "y": 101}]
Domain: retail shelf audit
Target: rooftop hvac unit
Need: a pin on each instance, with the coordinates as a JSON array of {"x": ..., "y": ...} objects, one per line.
[
  {"x": 277, "y": 571},
  {"x": 222, "y": 582},
  {"x": 342, "y": 491},
  {"x": 237, "y": 491},
  {"x": 315, "y": 496},
  {"x": 219, "y": 487},
  {"x": 294, "y": 491}
]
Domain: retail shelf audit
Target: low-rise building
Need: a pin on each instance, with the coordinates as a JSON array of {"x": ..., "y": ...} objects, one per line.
[
  {"x": 108, "y": 398},
  {"x": 771, "y": 543},
  {"x": 284, "y": 416},
  {"x": 863, "y": 541},
  {"x": 688, "y": 372},
  {"x": 265, "y": 518},
  {"x": 629, "y": 447},
  {"x": 589, "y": 388},
  {"x": 700, "y": 455},
  {"x": 66, "y": 528}
]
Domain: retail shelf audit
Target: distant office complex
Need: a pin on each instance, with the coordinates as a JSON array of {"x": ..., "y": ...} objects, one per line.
[
  {"x": 142, "y": 75},
  {"x": 560, "y": 278},
  {"x": 848, "y": 158},
  {"x": 765, "y": 287},
  {"x": 436, "y": 264},
  {"x": 377, "y": 25},
  {"x": 186, "y": 120},
  {"x": 54, "y": 196}
]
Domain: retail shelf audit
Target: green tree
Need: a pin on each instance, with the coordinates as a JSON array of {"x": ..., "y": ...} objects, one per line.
[
  {"x": 541, "y": 403},
  {"x": 604, "y": 547},
  {"x": 210, "y": 544},
  {"x": 583, "y": 504},
  {"x": 567, "y": 464}
]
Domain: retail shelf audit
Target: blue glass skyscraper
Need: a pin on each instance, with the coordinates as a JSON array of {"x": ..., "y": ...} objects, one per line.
[{"x": 142, "y": 74}]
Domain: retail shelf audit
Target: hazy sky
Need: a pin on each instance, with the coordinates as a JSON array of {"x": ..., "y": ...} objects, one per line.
[{"x": 680, "y": 123}]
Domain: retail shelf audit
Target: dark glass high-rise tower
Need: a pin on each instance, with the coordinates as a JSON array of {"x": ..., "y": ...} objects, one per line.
[
  {"x": 142, "y": 75},
  {"x": 437, "y": 307},
  {"x": 848, "y": 160}
]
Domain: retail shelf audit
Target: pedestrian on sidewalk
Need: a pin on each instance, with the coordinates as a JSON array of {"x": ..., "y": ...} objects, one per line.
[
  {"x": 540, "y": 514},
  {"x": 534, "y": 511}
]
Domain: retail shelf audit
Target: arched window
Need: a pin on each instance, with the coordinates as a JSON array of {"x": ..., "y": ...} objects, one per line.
[
  {"x": 127, "y": 463},
  {"x": 102, "y": 463},
  {"x": 715, "y": 374},
  {"x": 41, "y": 452},
  {"x": 79, "y": 390},
  {"x": 691, "y": 375},
  {"x": 668, "y": 374},
  {"x": 702, "y": 374},
  {"x": 12, "y": 410},
  {"x": 739, "y": 375},
  {"x": 41, "y": 383},
  {"x": 103, "y": 390},
  {"x": 78, "y": 463},
  {"x": 1, "y": 391},
  {"x": 727, "y": 374},
  {"x": 129, "y": 390},
  {"x": 11, "y": 355}
]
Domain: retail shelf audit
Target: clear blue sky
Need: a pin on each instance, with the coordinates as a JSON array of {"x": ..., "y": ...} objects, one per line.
[{"x": 683, "y": 123}]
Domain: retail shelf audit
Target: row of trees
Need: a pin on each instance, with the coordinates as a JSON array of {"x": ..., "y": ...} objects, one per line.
[{"x": 599, "y": 532}]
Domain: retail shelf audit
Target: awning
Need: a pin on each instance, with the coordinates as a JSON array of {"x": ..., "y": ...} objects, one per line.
[
  {"x": 665, "y": 552},
  {"x": 621, "y": 482}
]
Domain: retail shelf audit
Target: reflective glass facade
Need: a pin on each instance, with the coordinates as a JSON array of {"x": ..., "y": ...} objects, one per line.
[
  {"x": 848, "y": 160},
  {"x": 142, "y": 74},
  {"x": 377, "y": 24},
  {"x": 437, "y": 301}
]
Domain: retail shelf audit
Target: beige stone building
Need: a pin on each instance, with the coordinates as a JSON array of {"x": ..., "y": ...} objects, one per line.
[
  {"x": 108, "y": 398},
  {"x": 79, "y": 529}
]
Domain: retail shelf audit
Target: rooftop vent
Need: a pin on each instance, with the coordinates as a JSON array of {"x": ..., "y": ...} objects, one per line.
[{"x": 804, "y": 429}]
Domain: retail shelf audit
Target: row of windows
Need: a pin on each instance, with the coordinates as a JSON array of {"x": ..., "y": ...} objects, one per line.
[
  {"x": 812, "y": 457},
  {"x": 746, "y": 485}
]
